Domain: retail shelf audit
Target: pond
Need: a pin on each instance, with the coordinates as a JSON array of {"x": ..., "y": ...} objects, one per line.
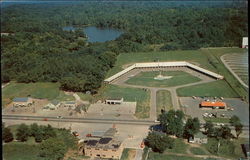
[{"x": 95, "y": 34}]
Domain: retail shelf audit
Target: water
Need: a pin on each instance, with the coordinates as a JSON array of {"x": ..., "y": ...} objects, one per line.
[{"x": 95, "y": 34}]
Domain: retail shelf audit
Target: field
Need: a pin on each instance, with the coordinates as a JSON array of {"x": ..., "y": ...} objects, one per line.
[
  {"x": 197, "y": 151},
  {"x": 206, "y": 58},
  {"x": 129, "y": 94},
  {"x": 163, "y": 101},
  {"x": 179, "y": 146},
  {"x": 41, "y": 90},
  {"x": 20, "y": 151},
  {"x": 147, "y": 79},
  {"x": 212, "y": 89}
]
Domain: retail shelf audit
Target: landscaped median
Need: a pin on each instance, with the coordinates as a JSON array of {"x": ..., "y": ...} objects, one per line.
[{"x": 163, "y": 101}]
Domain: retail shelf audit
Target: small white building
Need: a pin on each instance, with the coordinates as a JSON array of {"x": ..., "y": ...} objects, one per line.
[
  {"x": 245, "y": 42},
  {"x": 69, "y": 104},
  {"x": 114, "y": 101},
  {"x": 52, "y": 105},
  {"x": 198, "y": 138}
]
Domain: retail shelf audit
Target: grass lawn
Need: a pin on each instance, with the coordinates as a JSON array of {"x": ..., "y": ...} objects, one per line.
[
  {"x": 43, "y": 90},
  {"x": 147, "y": 79},
  {"x": 217, "y": 120},
  {"x": 128, "y": 154},
  {"x": 129, "y": 94},
  {"x": 179, "y": 146},
  {"x": 205, "y": 58},
  {"x": 85, "y": 97},
  {"x": 158, "y": 156},
  {"x": 212, "y": 89},
  {"x": 20, "y": 151},
  {"x": 197, "y": 151},
  {"x": 163, "y": 101}
]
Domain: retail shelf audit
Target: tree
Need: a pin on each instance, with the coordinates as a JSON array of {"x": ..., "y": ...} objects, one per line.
[
  {"x": 33, "y": 129},
  {"x": 234, "y": 120},
  {"x": 209, "y": 128},
  {"x": 238, "y": 129},
  {"x": 172, "y": 122},
  {"x": 23, "y": 132},
  {"x": 52, "y": 149},
  {"x": 39, "y": 135},
  {"x": 191, "y": 127},
  {"x": 7, "y": 135},
  {"x": 224, "y": 132},
  {"x": 159, "y": 141},
  {"x": 48, "y": 132}
]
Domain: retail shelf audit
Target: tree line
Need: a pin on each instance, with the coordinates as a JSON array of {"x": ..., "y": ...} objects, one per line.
[
  {"x": 53, "y": 143},
  {"x": 172, "y": 123},
  {"x": 39, "y": 50}
]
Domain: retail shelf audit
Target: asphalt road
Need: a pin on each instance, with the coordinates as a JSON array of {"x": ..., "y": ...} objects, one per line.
[{"x": 78, "y": 120}]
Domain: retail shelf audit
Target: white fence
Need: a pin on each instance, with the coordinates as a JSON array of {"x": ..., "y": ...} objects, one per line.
[{"x": 163, "y": 64}]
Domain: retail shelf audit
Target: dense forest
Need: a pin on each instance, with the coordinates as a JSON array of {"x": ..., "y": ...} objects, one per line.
[{"x": 37, "y": 48}]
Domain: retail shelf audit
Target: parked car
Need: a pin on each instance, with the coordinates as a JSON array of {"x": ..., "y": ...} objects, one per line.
[{"x": 75, "y": 133}]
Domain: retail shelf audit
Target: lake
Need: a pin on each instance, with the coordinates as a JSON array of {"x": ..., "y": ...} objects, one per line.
[{"x": 98, "y": 34}]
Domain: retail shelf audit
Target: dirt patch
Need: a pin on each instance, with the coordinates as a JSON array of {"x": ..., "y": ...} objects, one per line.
[{"x": 131, "y": 154}]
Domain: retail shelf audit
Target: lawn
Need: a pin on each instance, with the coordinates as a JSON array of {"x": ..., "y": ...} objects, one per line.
[
  {"x": 179, "y": 146},
  {"x": 158, "y": 156},
  {"x": 43, "y": 90},
  {"x": 212, "y": 89},
  {"x": 128, "y": 154},
  {"x": 147, "y": 79},
  {"x": 20, "y": 151},
  {"x": 217, "y": 120},
  {"x": 129, "y": 94},
  {"x": 205, "y": 58},
  {"x": 197, "y": 151},
  {"x": 163, "y": 101}
]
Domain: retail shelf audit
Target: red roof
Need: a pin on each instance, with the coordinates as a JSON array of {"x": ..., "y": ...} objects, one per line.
[{"x": 213, "y": 104}]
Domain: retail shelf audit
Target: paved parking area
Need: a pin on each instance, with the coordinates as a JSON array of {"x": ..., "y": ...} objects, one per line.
[{"x": 241, "y": 109}]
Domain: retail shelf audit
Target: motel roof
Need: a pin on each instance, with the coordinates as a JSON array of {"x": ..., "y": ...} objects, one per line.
[
  {"x": 23, "y": 99},
  {"x": 213, "y": 104}
]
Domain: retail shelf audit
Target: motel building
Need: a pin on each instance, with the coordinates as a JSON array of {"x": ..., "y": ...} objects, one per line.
[
  {"x": 105, "y": 146},
  {"x": 213, "y": 105}
]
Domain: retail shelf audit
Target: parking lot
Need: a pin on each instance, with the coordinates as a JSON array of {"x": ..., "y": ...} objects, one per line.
[{"x": 240, "y": 109}]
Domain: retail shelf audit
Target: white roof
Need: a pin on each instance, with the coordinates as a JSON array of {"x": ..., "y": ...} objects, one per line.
[
  {"x": 163, "y": 64},
  {"x": 245, "y": 41}
]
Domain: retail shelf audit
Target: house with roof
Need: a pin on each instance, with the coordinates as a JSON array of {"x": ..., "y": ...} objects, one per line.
[
  {"x": 108, "y": 146},
  {"x": 116, "y": 100},
  {"x": 69, "y": 104},
  {"x": 198, "y": 138},
  {"x": 53, "y": 105},
  {"x": 22, "y": 102},
  {"x": 213, "y": 105}
]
